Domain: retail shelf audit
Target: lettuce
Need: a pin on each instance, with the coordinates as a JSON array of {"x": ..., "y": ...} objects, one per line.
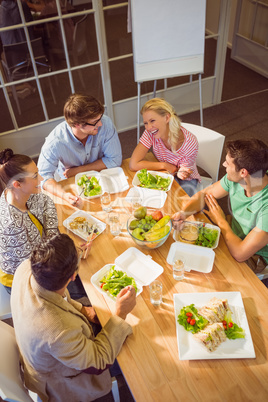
[
  {"x": 206, "y": 237},
  {"x": 200, "y": 322},
  {"x": 154, "y": 182},
  {"x": 114, "y": 281},
  {"x": 90, "y": 185},
  {"x": 234, "y": 332}
]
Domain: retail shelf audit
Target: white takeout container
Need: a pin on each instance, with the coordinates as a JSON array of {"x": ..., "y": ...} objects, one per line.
[
  {"x": 99, "y": 224},
  {"x": 136, "y": 264},
  {"x": 196, "y": 258},
  {"x": 136, "y": 181},
  {"x": 207, "y": 225},
  {"x": 149, "y": 198},
  {"x": 111, "y": 180}
]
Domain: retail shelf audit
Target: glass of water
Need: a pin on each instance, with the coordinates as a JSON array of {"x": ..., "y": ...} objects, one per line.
[
  {"x": 106, "y": 202},
  {"x": 115, "y": 223},
  {"x": 178, "y": 268},
  {"x": 156, "y": 292}
]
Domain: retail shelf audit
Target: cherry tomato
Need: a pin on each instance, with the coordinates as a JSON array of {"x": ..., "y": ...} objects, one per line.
[
  {"x": 230, "y": 325},
  {"x": 189, "y": 314},
  {"x": 225, "y": 326},
  {"x": 189, "y": 319},
  {"x": 224, "y": 322},
  {"x": 192, "y": 322},
  {"x": 102, "y": 284}
]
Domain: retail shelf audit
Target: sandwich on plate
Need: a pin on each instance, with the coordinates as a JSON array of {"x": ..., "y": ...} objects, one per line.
[
  {"x": 212, "y": 336},
  {"x": 215, "y": 310}
]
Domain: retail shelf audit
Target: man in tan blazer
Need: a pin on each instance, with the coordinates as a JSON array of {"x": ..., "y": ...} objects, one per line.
[{"x": 61, "y": 357}]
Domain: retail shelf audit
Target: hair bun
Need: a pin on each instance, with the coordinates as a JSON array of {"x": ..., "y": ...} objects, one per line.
[{"x": 5, "y": 155}]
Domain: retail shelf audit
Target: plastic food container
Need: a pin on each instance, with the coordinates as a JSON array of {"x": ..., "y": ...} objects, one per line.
[
  {"x": 111, "y": 180},
  {"x": 136, "y": 181},
  {"x": 196, "y": 258},
  {"x": 136, "y": 264},
  {"x": 199, "y": 224},
  {"x": 94, "y": 221}
]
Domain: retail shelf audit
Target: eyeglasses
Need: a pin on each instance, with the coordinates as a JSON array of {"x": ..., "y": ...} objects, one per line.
[{"x": 96, "y": 122}]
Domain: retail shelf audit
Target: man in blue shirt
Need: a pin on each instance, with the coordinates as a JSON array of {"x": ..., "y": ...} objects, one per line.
[{"x": 86, "y": 140}]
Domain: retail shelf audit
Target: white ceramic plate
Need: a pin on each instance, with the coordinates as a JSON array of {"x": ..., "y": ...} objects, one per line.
[
  {"x": 111, "y": 180},
  {"x": 191, "y": 349},
  {"x": 100, "y": 225},
  {"x": 136, "y": 181},
  {"x": 207, "y": 225}
]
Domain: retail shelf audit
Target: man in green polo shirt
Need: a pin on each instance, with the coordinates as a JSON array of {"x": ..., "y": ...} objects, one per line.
[{"x": 246, "y": 183}]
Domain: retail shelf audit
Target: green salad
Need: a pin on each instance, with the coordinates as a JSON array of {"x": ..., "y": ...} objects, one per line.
[
  {"x": 206, "y": 237},
  {"x": 191, "y": 320},
  {"x": 90, "y": 185},
  {"x": 114, "y": 281},
  {"x": 156, "y": 182}
]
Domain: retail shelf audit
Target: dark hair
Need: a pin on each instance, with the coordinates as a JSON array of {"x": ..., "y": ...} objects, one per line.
[
  {"x": 54, "y": 261},
  {"x": 80, "y": 108},
  {"x": 11, "y": 167},
  {"x": 251, "y": 154}
]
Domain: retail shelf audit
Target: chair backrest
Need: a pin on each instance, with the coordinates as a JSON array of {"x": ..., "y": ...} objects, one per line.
[
  {"x": 5, "y": 309},
  {"x": 210, "y": 148},
  {"x": 17, "y": 55},
  {"x": 79, "y": 36},
  {"x": 11, "y": 386}
]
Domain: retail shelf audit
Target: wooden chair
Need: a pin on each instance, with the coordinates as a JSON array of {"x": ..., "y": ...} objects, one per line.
[{"x": 17, "y": 64}]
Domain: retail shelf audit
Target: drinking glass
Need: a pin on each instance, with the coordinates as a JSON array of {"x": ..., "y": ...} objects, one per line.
[
  {"x": 178, "y": 268},
  {"x": 156, "y": 292},
  {"x": 115, "y": 223},
  {"x": 106, "y": 202}
]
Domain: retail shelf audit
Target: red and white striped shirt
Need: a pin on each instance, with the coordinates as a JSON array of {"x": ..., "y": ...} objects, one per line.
[{"x": 183, "y": 157}]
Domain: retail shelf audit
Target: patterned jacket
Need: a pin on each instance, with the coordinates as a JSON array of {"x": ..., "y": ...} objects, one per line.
[{"x": 19, "y": 235}]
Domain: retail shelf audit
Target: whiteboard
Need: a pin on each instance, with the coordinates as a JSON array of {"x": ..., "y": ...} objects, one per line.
[{"x": 168, "y": 38}]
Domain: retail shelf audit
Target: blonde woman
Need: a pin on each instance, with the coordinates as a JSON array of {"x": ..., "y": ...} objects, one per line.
[{"x": 174, "y": 147}]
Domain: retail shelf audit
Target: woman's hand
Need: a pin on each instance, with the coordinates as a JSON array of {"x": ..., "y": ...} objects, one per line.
[
  {"x": 172, "y": 169},
  {"x": 178, "y": 220},
  {"x": 184, "y": 172},
  {"x": 215, "y": 212}
]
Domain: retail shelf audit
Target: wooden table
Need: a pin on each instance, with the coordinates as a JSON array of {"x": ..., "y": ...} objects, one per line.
[{"x": 149, "y": 358}]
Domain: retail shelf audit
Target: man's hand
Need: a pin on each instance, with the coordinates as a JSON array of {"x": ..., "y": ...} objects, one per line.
[
  {"x": 90, "y": 313},
  {"x": 71, "y": 172},
  {"x": 178, "y": 220},
  {"x": 125, "y": 301},
  {"x": 215, "y": 212}
]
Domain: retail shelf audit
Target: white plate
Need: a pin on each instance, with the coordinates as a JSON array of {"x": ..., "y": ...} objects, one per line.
[
  {"x": 192, "y": 349},
  {"x": 100, "y": 225},
  {"x": 136, "y": 181},
  {"x": 136, "y": 264},
  {"x": 111, "y": 180},
  {"x": 207, "y": 225},
  {"x": 196, "y": 258},
  {"x": 149, "y": 198}
]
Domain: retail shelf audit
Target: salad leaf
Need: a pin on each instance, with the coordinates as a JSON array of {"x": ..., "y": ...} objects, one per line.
[
  {"x": 234, "y": 331},
  {"x": 90, "y": 185},
  {"x": 206, "y": 237},
  {"x": 200, "y": 322},
  {"x": 154, "y": 182},
  {"x": 114, "y": 281}
]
